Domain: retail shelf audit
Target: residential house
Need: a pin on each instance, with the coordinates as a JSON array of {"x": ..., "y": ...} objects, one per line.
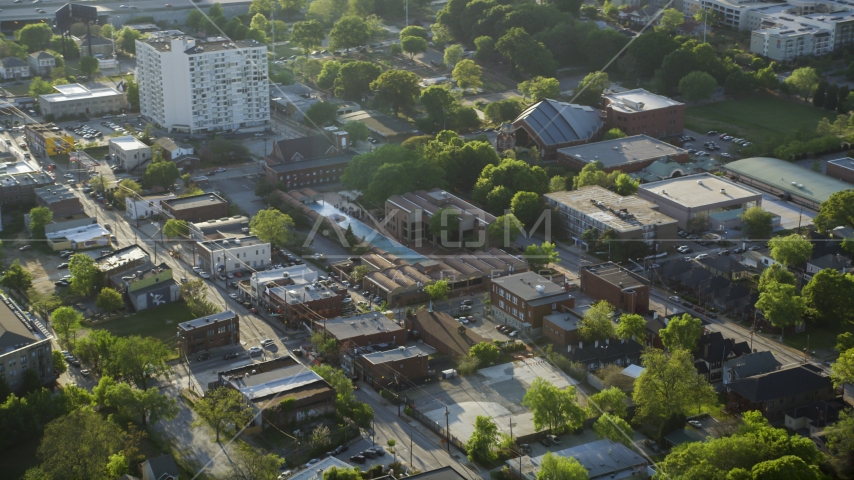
[
  {"x": 172, "y": 149},
  {"x": 811, "y": 419},
  {"x": 654, "y": 325},
  {"x": 598, "y": 354},
  {"x": 99, "y": 45},
  {"x": 712, "y": 351},
  {"x": 12, "y": 68},
  {"x": 776, "y": 392},
  {"x": 523, "y": 299},
  {"x": 41, "y": 63},
  {"x": 644, "y": 16},
  {"x": 837, "y": 262},
  {"x": 602, "y": 459},
  {"x": 758, "y": 259},
  {"x": 725, "y": 266},
  {"x": 749, "y": 365},
  {"x": 160, "y": 468}
]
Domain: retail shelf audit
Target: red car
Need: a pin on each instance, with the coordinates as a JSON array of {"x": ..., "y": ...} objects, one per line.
[{"x": 238, "y": 274}]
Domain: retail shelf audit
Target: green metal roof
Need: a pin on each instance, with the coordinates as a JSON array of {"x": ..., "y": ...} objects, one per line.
[{"x": 780, "y": 174}]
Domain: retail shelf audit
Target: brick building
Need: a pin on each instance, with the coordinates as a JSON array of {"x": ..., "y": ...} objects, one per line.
[
  {"x": 841, "y": 168},
  {"x": 361, "y": 330},
  {"x": 638, "y": 111},
  {"x": 47, "y": 139},
  {"x": 627, "y": 155},
  {"x": 19, "y": 188},
  {"x": 523, "y": 299},
  {"x": 625, "y": 290},
  {"x": 60, "y": 199},
  {"x": 408, "y": 217},
  {"x": 561, "y": 329},
  {"x": 21, "y": 348},
  {"x": 778, "y": 391},
  {"x": 196, "y": 208},
  {"x": 127, "y": 259},
  {"x": 442, "y": 332},
  {"x": 550, "y": 124},
  {"x": 206, "y": 333},
  {"x": 380, "y": 369},
  {"x": 298, "y": 299},
  {"x": 306, "y": 161}
]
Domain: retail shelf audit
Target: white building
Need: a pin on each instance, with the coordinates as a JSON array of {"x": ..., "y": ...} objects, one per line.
[
  {"x": 193, "y": 85},
  {"x": 129, "y": 152},
  {"x": 143, "y": 207},
  {"x": 783, "y": 36},
  {"x": 74, "y": 99},
  {"x": 231, "y": 255}
]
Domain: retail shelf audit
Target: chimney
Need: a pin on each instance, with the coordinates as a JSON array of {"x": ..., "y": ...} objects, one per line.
[{"x": 706, "y": 350}]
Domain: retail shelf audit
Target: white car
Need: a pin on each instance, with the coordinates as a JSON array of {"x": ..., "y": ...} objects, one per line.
[
  {"x": 701, "y": 256},
  {"x": 205, "y": 275},
  {"x": 230, "y": 275},
  {"x": 219, "y": 170},
  {"x": 68, "y": 175},
  {"x": 197, "y": 269},
  {"x": 267, "y": 342},
  {"x": 233, "y": 295},
  {"x": 255, "y": 351},
  {"x": 695, "y": 423}
]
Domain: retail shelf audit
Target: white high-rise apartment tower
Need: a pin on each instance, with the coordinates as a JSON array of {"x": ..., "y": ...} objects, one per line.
[{"x": 201, "y": 85}]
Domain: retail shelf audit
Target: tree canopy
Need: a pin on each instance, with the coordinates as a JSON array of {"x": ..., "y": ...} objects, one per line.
[
  {"x": 682, "y": 333},
  {"x": 790, "y": 250},
  {"x": 836, "y": 211},
  {"x": 596, "y": 325},
  {"x": 669, "y": 384},
  {"x": 552, "y": 407},
  {"x": 391, "y": 170},
  {"x": 757, "y": 223},
  {"x": 397, "y": 89}
]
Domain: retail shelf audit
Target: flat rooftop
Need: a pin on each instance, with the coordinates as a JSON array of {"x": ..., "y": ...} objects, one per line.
[
  {"x": 622, "y": 151},
  {"x": 700, "y": 190},
  {"x": 200, "y": 322},
  {"x": 312, "y": 163},
  {"x": 616, "y": 275},
  {"x": 380, "y": 123},
  {"x": 620, "y": 213},
  {"x": 529, "y": 286},
  {"x": 128, "y": 143},
  {"x": 343, "y": 328},
  {"x": 566, "y": 321},
  {"x": 14, "y": 334},
  {"x": 55, "y": 193},
  {"x": 80, "y": 234},
  {"x": 394, "y": 355},
  {"x": 151, "y": 272},
  {"x": 846, "y": 163},
  {"x": 788, "y": 177},
  {"x": 119, "y": 257},
  {"x": 25, "y": 179},
  {"x": 228, "y": 244},
  {"x": 638, "y": 100},
  {"x": 75, "y": 91},
  {"x": 301, "y": 291},
  {"x": 17, "y": 168},
  {"x": 194, "y": 201}
]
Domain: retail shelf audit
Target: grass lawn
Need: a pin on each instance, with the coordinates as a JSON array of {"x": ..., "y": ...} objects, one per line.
[
  {"x": 754, "y": 118},
  {"x": 821, "y": 339},
  {"x": 23, "y": 89},
  {"x": 160, "y": 323}
]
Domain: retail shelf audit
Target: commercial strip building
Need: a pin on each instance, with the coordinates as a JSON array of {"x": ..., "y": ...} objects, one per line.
[
  {"x": 387, "y": 368},
  {"x": 408, "y": 217},
  {"x": 297, "y": 298},
  {"x": 75, "y": 99},
  {"x": 630, "y": 217},
  {"x": 523, "y": 299},
  {"x": 145, "y": 206},
  {"x": 364, "y": 330},
  {"x": 60, "y": 199},
  {"x": 550, "y": 125},
  {"x": 196, "y": 208},
  {"x": 116, "y": 263},
  {"x": 625, "y": 290},
  {"x": 194, "y": 85},
  {"x": 22, "y": 347},
  {"x": 47, "y": 139},
  {"x": 630, "y": 154},
  {"x": 78, "y": 238},
  {"x": 129, "y": 151},
  {"x": 19, "y": 188},
  {"x": 206, "y": 333},
  {"x": 442, "y": 332},
  {"x": 317, "y": 171},
  {"x": 638, "y": 111},
  {"x": 231, "y": 255},
  {"x": 213, "y": 229},
  {"x": 683, "y": 198},
  {"x": 787, "y": 180}
]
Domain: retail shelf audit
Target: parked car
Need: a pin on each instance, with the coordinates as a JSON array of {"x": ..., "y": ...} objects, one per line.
[
  {"x": 255, "y": 351},
  {"x": 701, "y": 256},
  {"x": 652, "y": 445},
  {"x": 554, "y": 439},
  {"x": 545, "y": 441},
  {"x": 204, "y": 356},
  {"x": 313, "y": 461},
  {"x": 62, "y": 265},
  {"x": 229, "y": 356},
  {"x": 358, "y": 459},
  {"x": 369, "y": 454},
  {"x": 25, "y": 248},
  {"x": 525, "y": 448},
  {"x": 85, "y": 372},
  {"x": 695, "y": 423},
  {"x": 61, "y": 283},
  {"x": 267, "y": 342}
]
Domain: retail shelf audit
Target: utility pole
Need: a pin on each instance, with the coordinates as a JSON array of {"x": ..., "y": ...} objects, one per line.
[
  {"x": 447, "y": 429},
  {"x": 407, "y": 13},
  {"x": 410, "y": 446}
]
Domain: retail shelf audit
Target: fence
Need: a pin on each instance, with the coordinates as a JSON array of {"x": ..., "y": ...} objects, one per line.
[{"x": 435, "y": 427}]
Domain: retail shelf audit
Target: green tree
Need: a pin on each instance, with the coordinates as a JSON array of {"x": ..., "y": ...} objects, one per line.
[
  {"x": 526, "y": 54},
  {"x": 538, "y": 257},
  {"x": 34, "y": 36},
  {"x": 682, "y": 333},
  {"x": 554, "y": 467},
  {"x": 481, "y": 443},
  {"x": 40, "y": 217},
  {"x": 160, "y": 173},
  {"x": 109, "y": 300},
  {"x": 840, "y": 442},
  {"x": 261, "y": 7},
  {"x": 789, "y": 466},
  {"x": 224, "y": 408},
  {"x": 259, "y": 22},
  {"x": 356, "y": 130},
  {"x": 328, "y": 74},
  {"x": 194, "y": 293},
  {"x": 144, "y": 406},
  {"x": 819, "y": 94},
  {"x": 436, "y": 100},
  {"x": 699, "y": 222},
  {"x": 757, "y": 223},
  {"x": 781, "y": 305},
  {"x": 89, "y": 65},
  {"x": 251, "y": 463},
  {"x": 176, "y": 228},
  {"x": 128, "y": 38},
  {"x": 445, "y": 225},
  {"x": 610, "y": 400},
  {"x": 589, "y": 90},
  {"x": 58, "y": 362},
  {"x": 391, "y": 170},
  {"x": 307, "y": 35},
  {"x": 776, "y": 273},
  {"x": 437, "y": 290},
  {"x": 540, "y": 88},
  {"x": 487, "y": 353},
  {"x": 596, "y": 325},
  {"x": 842, "y": 370},
  {"x": 648, "y": 51},
  {"x": 503, "y": 110},
  {"x": 697, "y": 86},
  {"x": 467, "y": 75},
  {"x": 80, "y": 444},
  {"x": 836, "y": 211},
  {"x": 132, "y": 94},
  {"x": 291, "y": 7},
  {"x": 66, "y": 322},
  {"x": 413, "y": 45},
  {"x": 39, "y": 87},
  {"x": 613, "y": 428},
  {"x": 631, "y": 327},
  {"x": 126, "y": 188},
  {"x": 84, "y": 274},
  {"x": 504, "y": 230},
  {"x": 614, "y": 134},
  {"x": 414, "y": 31},
  {"x": 829, "y": 297},
  {"x": 591, "y": 174},
  {"x": 804, "y": 81},
  {"x": 321, "y": 114},
  {"x": 359, "y": 273},
  {"x": 349, "y": 32},
  {"x": 552, "y": 407},
  {"x": 790, "y": 250},
  {"x": 272, "y": 226},
  {"x": 485, "y": 48},
  {"x": 622, "y": 183},
  {"x": 354, "y": 80},
  {"x": 526, "y": 206},
  {"x": 669, "y": 384},
  {"x": 453, "y": 55},
  {"x": 338, "y": 473},
  {"x": 397, "y": 89},
  {"x": 670, "y": 19},
  {"x": 135, "y": 360}
]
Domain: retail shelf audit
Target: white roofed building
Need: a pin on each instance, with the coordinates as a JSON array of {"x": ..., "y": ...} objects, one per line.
[{"x": 75, "y": 99}]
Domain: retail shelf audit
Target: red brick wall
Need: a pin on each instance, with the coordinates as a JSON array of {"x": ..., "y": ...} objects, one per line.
[
  {"x": 382, "y": 375},
  {"x": 658, "y": 123},
  {"x": 844, "y": 174},
  {"x": 556, "y": 334},
  {"x": 600, "y": 289},
  {"x": 197, "y": 340},
  {"x": 198, "y": 214}
]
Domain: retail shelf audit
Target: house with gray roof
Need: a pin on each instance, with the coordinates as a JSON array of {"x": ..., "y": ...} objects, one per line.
[
  {"x": 776, "y": 392},
  {"x": 749, "y": 365},
  {"x": 41, "y": 63},
  {"x": 12, "y": 68},
  {"x": 550, "y": 125},
  {"x": 838, "y": 263}
]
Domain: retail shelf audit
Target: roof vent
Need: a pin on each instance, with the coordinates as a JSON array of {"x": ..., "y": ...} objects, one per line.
[
  {"x": 402, "y": 349},
  {"x": 540, "y": 288},
  {"x": 723, "y": 190},
  {"x": 800, "y": 185},
  {"x": 208, "y": 320},
  {"x": 699, "y": 182}
]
